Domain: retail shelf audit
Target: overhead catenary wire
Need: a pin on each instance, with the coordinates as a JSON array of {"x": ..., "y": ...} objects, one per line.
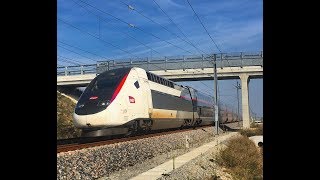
[
  {"x": 182, "y": 34},
  {"x": 131, "y": 26},
  {"x": 77, "y": 53},
  {"x": 191, "y": 68},
  {"x": 210, "y": 88},
  {"x": 139, "y": 12},
  {"x": 134, "y": 26},
  {"x": 83, "y": 50},
  {"x": 127, "y": 34},
  {"x": 132, "y": 8},
  {"x": 211, "y": 40},
  {"x": 204, "y": 27},
  {"x": 178, "y": 28},
  {"x": 216, "y": 114},
  {"x": 70, "y": 59},
  {"x": 209, "y": 34},
  {"x": 96, "y": 37},
  {"x": 163, "y": 27},
  {"x": 65, "y": 61}
]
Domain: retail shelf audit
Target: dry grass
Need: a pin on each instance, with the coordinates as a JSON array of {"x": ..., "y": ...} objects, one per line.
[
  {"x": 256, "y": 129},
  {"x": 242, "y": 158},
  {"x": 65, "y": 127}
]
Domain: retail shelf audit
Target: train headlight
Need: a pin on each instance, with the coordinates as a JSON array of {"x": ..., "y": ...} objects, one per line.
[
  {"x": 80, "y": 105},
  {"x": 102, "y": 103}
]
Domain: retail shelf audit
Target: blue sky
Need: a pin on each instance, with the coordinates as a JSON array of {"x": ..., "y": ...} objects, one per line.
[{"x": 87, "y": 32}]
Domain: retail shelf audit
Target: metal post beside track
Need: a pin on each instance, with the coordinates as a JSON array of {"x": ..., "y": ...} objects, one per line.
[{"x": 216, "y": 94}]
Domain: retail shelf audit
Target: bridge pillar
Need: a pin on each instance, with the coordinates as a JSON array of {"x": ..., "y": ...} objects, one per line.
[{"x": 245, "y": 100}]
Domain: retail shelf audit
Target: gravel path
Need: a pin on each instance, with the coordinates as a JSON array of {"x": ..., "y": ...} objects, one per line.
[
  {"x": 128, "y": 159},
  {"x": 202, "y": 167}
]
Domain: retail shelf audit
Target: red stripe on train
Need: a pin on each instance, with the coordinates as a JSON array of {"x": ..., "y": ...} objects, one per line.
[{"x": 116, "y": 92}]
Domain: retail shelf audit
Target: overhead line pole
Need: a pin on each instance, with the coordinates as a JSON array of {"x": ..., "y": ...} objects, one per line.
[
  {"x": 216, "y": 117},
  {"x": 238, "y": 87}
]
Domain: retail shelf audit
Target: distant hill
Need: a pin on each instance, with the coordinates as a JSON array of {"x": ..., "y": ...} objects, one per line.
[{"x": 65, "y": 127}]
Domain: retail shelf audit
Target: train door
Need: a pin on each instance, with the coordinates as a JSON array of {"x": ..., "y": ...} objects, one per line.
[
  {"x": 145, "y": 94},
  {"x": 194, "y": 104},
  {"x": 137, "y": 96},
  {"x": 133, "y": 96}
]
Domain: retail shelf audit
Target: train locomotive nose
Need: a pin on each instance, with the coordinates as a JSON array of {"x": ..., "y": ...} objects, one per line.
[
  {"x": 92, "y": 108},
  {"x": 90, "y": 120},
  {"x": 79, "y": 120}
]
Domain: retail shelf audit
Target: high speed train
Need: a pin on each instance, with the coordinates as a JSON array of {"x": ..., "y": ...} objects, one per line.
[{"x": 130, "y": 100}]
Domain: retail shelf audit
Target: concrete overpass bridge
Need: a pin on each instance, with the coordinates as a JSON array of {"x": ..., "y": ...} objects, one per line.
[{"x": 243, "y": 66}]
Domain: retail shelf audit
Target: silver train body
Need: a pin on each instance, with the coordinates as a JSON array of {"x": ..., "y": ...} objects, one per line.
[{"x": 129, "y": 100}]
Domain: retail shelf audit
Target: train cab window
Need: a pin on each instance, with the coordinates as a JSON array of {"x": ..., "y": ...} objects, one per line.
[
  {"x": 148, "y": 74},
  {"x": 151, "y": 77},
  {"x": 105, "y": 84},
  {"x": 162, "y": 81},
  {"x": 159, "y": 80},
  {"x": 136, "y": 84},
  {"x": 154, "y": 78}
]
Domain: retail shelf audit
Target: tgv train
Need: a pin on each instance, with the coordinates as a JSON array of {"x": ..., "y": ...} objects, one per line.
[{"x": 129, "y": 100}]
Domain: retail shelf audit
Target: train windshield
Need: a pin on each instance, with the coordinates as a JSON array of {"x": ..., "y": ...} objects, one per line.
[{"x": 104, "y": 85}]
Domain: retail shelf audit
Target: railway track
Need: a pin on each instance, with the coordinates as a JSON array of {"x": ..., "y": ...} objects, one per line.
[
  {"x": 67, "y": 141},
  {"x": 75, "y": 145}
]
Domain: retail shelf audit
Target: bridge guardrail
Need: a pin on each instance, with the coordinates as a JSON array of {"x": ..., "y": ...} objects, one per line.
[{"x": 169, "y": 63}]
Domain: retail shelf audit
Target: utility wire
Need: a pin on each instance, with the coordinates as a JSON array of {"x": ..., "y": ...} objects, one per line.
[
  {"x": 204, "y": 26},
  {"x": 163, "y": 27},
  {"x": 132, "y": 8},
  {"x": 78, "y": 54},
  {"x": 115, "y": 28},
  {"x": 135, "y": 27},
  {"x": 131, "y": 25},
  {"x": 97, "y": 37},
  {"x": 64, "y": 60},
  {"x": 184, "y": 35},
  {"x": 83, "y": 50},
  {"x": 70, "y": 59},
  {"x": 209, "y": 35},
  {"x": 178, "y": 27}
]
